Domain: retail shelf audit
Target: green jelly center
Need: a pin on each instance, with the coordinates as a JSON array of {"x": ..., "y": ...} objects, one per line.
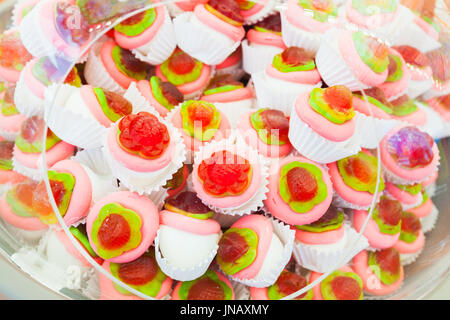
[
  {"x": 281, "y": 66},
  {"x": 186, "y": 286},
  {"x": 196, "y": 128},
  {"x": 376, "y": 64},
  {"x": 138, "y": 24}
]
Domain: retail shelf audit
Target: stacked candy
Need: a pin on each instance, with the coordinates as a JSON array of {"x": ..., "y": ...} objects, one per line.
[{"x": 191, "y": 167}]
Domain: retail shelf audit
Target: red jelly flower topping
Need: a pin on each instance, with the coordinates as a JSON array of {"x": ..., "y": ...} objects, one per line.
[
  {"x": 134, "y": 19},
  {"x": 413, "y": 56},
  {"x": 440, "y": 65},
  {"x": 272, "y": 23},
  {"x": 302, "y": 184},
  {"x": 189, "y": 202},
  {"x": 339, "y": 98},
  {"x": 410, "y": 223},
  {"x": 114, "y": 232},
  {"x": 359, "y": 169},
  {"x": 206, "y": 289},
  {"x": 139, "y": 271},
  {"x": 41, "y": 203},
  {"x": 200, "y": 113},
  {"x": 223, "y": 173},
  {"x": 24, "y": 192},
  {"x": 289, "y": 282},
  {"x": 143, "y": 133},
  {"x": 232, "y": 246},
  {"x": 411, "y": 147},
  {"x": 378, "y": 49},
  {"x": 390, "y": 211},
  {"x": 229, "y": 8},
  {"x": 181, "y": 63},
  {"x": 345, "y": 288},
  {"x": 295, "y": 56},
  {"x": 117, "y": 103},
  {"x": 388, "y": 260},
  {"x": 6, "y": 150},
  {"x": 276, "y": 120},
  {"x": 12, "y": 51}
]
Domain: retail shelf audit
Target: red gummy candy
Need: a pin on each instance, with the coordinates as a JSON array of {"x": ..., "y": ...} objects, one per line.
[
  {"x": 206, "y": 289},
  {"x": 388, "y": 260},
  {"x": 302, "y": 184},
  {"x": 276, "y": 120},
  {"x": 359, "y": 169},
  {"x": 181, "y": 63},
  {"x": 232, "y": 246},
  {"x": 138, "y": 272},
  {"x": 289, "y": 282},
  {"x": 345, "y": 288},
  {"x": 272, "y": 23},
  {"x": 228, "y": 8},
  {"x": 412, "y": 56},
  {"x": 295, "y": 56},
  {"x": 339, "y": 98},
  {"x": 118, "y": 104},
  {"x": 114, "y": 232},
  {"x": 390, "y": 211}
]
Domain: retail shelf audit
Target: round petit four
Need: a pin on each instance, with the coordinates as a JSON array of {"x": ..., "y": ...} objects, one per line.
[
  {"x": 409, "y": 196},
  {"x": 323, "y": 126},
  {"x": 10, "y": 118},
  {"x": 381, "y": 271},
  {"x": 212, "y": 285},
  {"x": 263, "y": 42},
  {"x": 406, "y": 110},
  {"x": 27, "y": 154},
  {"x": 149, "y": 35},
  {"x": 411, "y": 240},
  {"x": 13, "y": 56},
  {"x": 211, "y": 32},
  {"x": 121, "y": 226},
  {"x": 143, "y": 151},
  {"x": 341, "y": 284},
  {"x": 255, "y": 250},
  {"x": 266, "y": 130},
  {"x": 408, "y": 155},
  {"x": 397, "y": 81},
  {"x": 141, "y": 274},
  {"x": 371, "y": 14},
  {"x": 304, "y": 22},
  {"x": 286, "y": 284},
  {"x": 189, "y": 75},
  {"x": 187, "y": 237},
  {"x": 384, "y": 226}
]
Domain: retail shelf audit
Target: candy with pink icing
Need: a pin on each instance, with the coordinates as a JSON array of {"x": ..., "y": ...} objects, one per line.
[
  {"x": 10, "y": 118},
  {"x": 253, "y": 12},
  {"x": 405, "y": 109},
  {"x": 13, "y": 55},
  {"x": 372, "y": 103},
  {"x": 409, "y": 196},
  {"x": 442, "y": 106},
  {"x": 231, "y": 65},
  {"x": 425, "y": 207},
  {"x": 7, "y": 175},
  {"x": 121, "y": 226},
  {"x": 368, "y": 14},
  {"x": 398, "y": 77},
  {"x": 300, "y": 191},
  {"x": 411, "y": 239}
]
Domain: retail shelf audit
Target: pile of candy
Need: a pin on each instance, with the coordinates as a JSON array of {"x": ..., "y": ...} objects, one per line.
[{"x": 224, "y": 149}]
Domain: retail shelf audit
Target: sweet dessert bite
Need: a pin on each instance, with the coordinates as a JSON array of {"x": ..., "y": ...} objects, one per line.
[
  {"x": 213, "y": 285},
  {"x": 38, "y": 75},
  {"x": 420, "y": 71},
  {"x": 405, "y": 109},
  {"x": 408, "y": 155},
  {"x": 253, "y": 12},
  {"x": 355, "y": 180},
  {"x": 231, "y": 65},
  {"x": 48, "y": 30},
  {"x": 143, "y": 151},
  {"x": 142, "y": 274},
  {"x": 262, "y": 43},
  {"x": 114, "y": 68},
  {"x": 211, "y": 32},
  {"x": 383, "y": 228},
  {"x": 266, "y": 130},
  {"x": 411, "y": 240},
  {"x": 424, "y": 208},
  {"x": 13, "y": 56},
  {"x": 162, "y": 95},
  {"x": 8, "y": 176},
  {"x": 381, "y": 271},
  {"x": 121, "y": 226},
  {"x": 353, "y": 59},
  {"x": 251, "y": 252},
  {"x": 369, "y": 14},
  {"x": 176, "y": 185},
  {"x": 199, "y": 123},
  {"x": 149, "y": 35},
  {"x": 324, "y": 117},
  {"x": 305, "y": 21},
  {"x": 188, "y": 74},
  {"x": 10, "y": 118},
  {"x": 341, "y": 284},
  {"x": 187, "y": 237},
  {"x": 291, "y": 73},
  {"x": 373, "y": 102},
  {"x": 409, "y": 196},
  {"x": 28, "y": 148},
  {"x": 397, "y": 81},
  {"x": 286, "y": 284},
  {"x": 300, "y": 191},
  {"x": 229, "y": 95}
]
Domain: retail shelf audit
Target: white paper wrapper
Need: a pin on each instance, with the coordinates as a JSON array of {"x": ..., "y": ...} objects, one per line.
[
  {"x": 323, "y": 258},
  {"x": 256, "y": 57},
  {"x": 233, "y": 110},
  {"x": 225, "y": 220},
  {"x": 405, "y": 207},
  {"x": 26, "y": 101},
  {"x": 429, "y": 222},
  {"x": 147, "y": 182},
  {"x": 313, "y": 146},
  {"x": 372, "y": 130},
  {"x": 339, "y": 202},
  {"x": 269, "y": 8},
  {"x": 408, "y": 258},
  {"x": 8, "y": 136},
  {"x": 433, "y": 93},
  {"x": 252, "y": 156},
  {"x": 182, "y": 274},
  {"x": 431, "y": 189},
  {"x": 24, "y": 237},
  {"x": 159, "y": 197},
  {"x": 138, "y": 101},
  {"x": 434, "y": 125},
  {"x": 296, "y": 37},
  {"x": 32, "y": 173},
  {"x": 393, "y": 178},
  {"x": 74, "y": 128},
  {"x": 287, "y": 237},
  {"x": 278, "y": 94},
  {"x": 416, "y": 88},
  {"x": 94, "y": 160},
  {"x": 202, "y": 42},
  {"x": 96, "y": 74},
  {"x": 332, "y": 66}
]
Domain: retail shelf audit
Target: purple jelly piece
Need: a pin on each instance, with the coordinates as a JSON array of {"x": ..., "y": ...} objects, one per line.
[
  {"x": 411, "y": 147},
  {"x": 70, "y": 24}
]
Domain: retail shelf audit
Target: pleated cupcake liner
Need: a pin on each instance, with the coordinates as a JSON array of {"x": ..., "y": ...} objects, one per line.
[
  {"x": 95, "y": 72},
  {"x": 27, "y": 103},
  {"x": 174, "y": 10},
  {"x": 287, "y": 237},
  {"x": 94, "y": 160},
  {"x": 160, "y": 48},
  {"x": 296, "y": 37},
  {"x": 332, "y": 66},
  {"x": 201, "y": 42},
  {"x": 239, "y": 148},
  {"x": 269, "y": 8},
  {"x": 323, "y": 258},
  {"x": 315, "y": 147},
  {"x": 393, "y": 178},
  {"x": 372, "y": 130},
  {"x": 433, "y": 93},
  {"x": 102, "y": 185},
  {"x": 339, "y": 202},
  {"x": 405, "y": 206},
  {"x": 429, "y": 222},
  {"x": 434, "y": 124},
  {"x": 182, "y": 274},
  {"x": 417, "y": 88},
  {"x": 225, "y": 220},
  {"x": 408, "y": 258},
  {"x": 32, "y": 173},
  {"x": 256, "y": 58},
  {"x": 431, "y": 189},
  {"x": 233, "y": 110},
  {"x": 76, "y": 129},
  {"x": 138, "y": 101},
  {"x": 8, "y": 136}
]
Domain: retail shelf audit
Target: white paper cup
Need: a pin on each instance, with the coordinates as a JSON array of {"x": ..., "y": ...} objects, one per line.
[{"x": 256, "y": 57}]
